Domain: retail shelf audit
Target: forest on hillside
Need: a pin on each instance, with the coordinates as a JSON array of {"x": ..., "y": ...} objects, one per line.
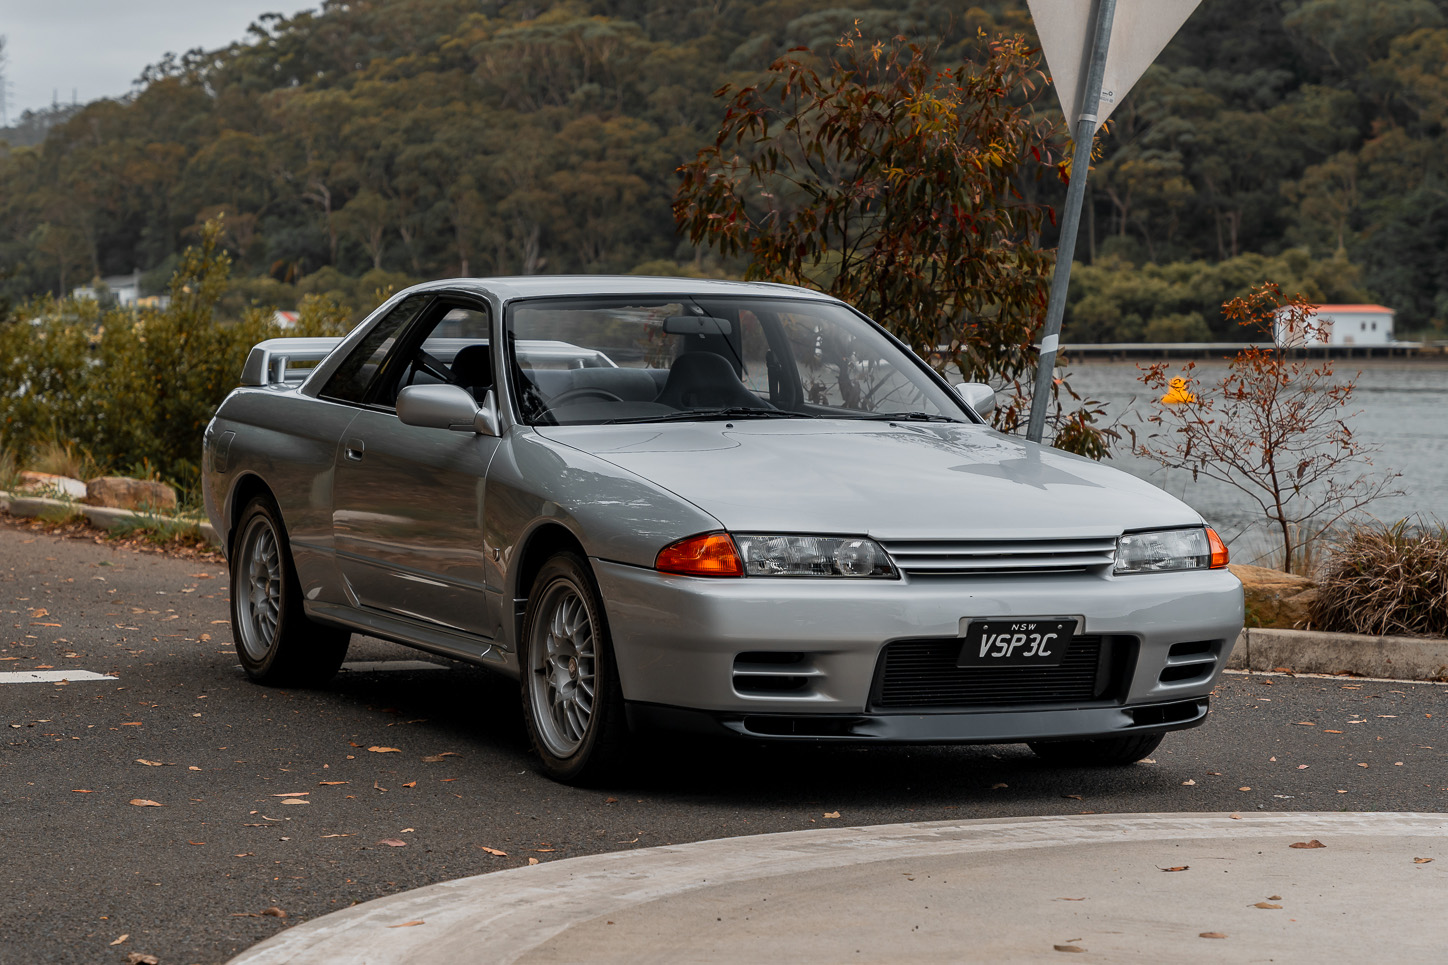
[{"x": 374, "y": 142}]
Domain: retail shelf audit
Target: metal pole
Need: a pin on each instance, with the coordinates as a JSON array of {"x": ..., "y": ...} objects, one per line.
[{"x": 1075, "y": 195}]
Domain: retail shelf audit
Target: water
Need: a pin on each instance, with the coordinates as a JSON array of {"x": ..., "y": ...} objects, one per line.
[{"x": 1401, "y": 407}]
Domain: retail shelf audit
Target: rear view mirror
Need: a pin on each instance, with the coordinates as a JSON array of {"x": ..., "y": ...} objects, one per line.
[
  {"x": 696, "y": 325},
  {"x": 447, "y": 407},
  {"x": 978, "y": 396}
]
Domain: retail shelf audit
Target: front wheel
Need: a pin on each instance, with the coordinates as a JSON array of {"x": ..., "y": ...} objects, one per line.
[
  {"x": 1104, "y": 752},
  {"x": 571, "y": 697},
  {"x": 276, "y": 642}
]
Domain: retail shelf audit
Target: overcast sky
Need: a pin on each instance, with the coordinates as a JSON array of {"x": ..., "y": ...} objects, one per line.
[{"x": 96, "y": 48}]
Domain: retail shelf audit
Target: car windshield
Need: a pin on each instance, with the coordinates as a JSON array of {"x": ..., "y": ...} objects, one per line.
[{"x": 607, "y": 360}]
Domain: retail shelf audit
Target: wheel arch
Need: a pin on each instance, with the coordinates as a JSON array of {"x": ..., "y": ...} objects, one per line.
[
  {"x": 245, "y": 489},
  {"x": 540, "y": 545}
]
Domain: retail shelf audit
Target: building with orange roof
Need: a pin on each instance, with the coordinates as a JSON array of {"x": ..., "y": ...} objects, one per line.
[{"x": 1341, "y": 325}]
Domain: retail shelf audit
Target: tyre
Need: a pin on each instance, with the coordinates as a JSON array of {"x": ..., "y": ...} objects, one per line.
[
  {"x": 276, "y": 642},
  {"x": 1104, "y": 752},
  {"x": 571, "y": 697}
]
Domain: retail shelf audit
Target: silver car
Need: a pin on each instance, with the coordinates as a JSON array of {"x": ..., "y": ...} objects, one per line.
[{"x": 706, "y": 506}]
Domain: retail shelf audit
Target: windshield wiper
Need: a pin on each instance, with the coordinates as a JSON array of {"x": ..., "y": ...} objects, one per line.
[
  {"x": 722, "y": 412},
  {"x": 905, "y": 417}
]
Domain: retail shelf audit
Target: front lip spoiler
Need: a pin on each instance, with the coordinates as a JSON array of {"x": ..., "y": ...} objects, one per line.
[{"x": 997, "y": 727}]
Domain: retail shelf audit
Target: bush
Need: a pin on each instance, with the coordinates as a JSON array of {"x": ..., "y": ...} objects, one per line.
[
  {"x": 1386, "y": 581},
  {"x": 135, "y": 386}
]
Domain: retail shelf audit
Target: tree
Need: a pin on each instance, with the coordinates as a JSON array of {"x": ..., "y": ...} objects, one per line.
[
  {"x": 1274, "y": 427},
  {"x": 892, "y": 185}
]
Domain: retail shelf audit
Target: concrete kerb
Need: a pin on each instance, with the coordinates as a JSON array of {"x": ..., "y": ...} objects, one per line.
[
  {"x": 101, "y": 517},
  {"x": 982, "y": 890},
  {"x": 1314, "y": 651}
]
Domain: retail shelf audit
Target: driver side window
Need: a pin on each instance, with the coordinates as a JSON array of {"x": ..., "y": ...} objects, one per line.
[{"x": 364, "y": 365}]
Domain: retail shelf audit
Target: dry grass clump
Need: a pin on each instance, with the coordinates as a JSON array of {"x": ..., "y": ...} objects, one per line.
[{"x": 1386, "y": 581}]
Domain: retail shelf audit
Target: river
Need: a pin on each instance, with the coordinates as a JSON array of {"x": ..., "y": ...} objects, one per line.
[{"x": 1400, "y": 406}]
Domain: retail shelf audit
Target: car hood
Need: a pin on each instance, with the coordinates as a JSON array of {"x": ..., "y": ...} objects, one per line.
[{"x": 887, "y": 480}]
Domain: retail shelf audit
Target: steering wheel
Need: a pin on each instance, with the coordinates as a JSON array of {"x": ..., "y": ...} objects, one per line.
[{"x": 582, "y": 392}]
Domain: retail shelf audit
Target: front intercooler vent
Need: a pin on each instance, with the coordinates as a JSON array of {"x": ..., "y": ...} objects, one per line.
[
  {"x": 1187, "y": 662},
  {"x": 769, "y": 673}
]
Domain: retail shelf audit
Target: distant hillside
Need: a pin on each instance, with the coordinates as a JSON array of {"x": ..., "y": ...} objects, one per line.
[{"x": 381, "y": 140}]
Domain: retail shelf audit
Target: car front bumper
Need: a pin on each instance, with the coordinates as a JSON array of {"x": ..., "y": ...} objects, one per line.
[{"x": 691, "y": 649}]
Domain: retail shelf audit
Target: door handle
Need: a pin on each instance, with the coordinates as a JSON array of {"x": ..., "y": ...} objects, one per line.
[{"x": 355, "y": 449}]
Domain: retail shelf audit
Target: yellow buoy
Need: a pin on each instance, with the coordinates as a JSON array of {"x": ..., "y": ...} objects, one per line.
[{"x": 1176, "y": 393}]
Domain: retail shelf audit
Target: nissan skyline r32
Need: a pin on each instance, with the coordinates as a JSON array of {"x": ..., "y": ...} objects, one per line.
[{"x": 704, "y": 506}]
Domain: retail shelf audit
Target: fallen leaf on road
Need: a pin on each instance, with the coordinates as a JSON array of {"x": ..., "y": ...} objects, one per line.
[
  {"x": 1314, "y": 843},
  {"x": 195, "y": 842},
  {"x": 336, "y": 835},
  {"x": 273, "y": 912},
  {"x": 245, "y": 854},
  {"x": 193, "y": 767},
  {"x": 1068, "y": 948},
  {"x": 1212, "y": 934},
  {"x": 1302, "y": 767},
  {"x": 131, "y": 723},
  {"x": 1188, "y": 783},
  {"x": 142, "y": 760},
  {"x": 1244, "y": 789},
  {"x": 295, "y": 800},
  {"x": 1362, "y": 765},
  {"x": 493, "y": 851},
  {"x": 36, "y": 614},
  {"x": 120, "y": 940},
  {"x": 136, "y": 958},
  {"x": 393, "y": 842},
  {"x": 437, "y": 758},
  {"x": 1180, "y": 867},
  {"x": 293, "y": 794},
  {"x": 1306, "y": 723},
  {"x": 1274, "y": 897},
  {"x": 832, "y": 814},
  {"x": 384, "y": 750},
  {"x": 1265, "y": 904},
  {"x": 1422, "y": 860},
  {"x": 332, "y": 783},
  {"x": 1235, "y": 817},
  {"x": 410, "y": 784},
  {"x": 532, "y": 860},
  {"x": 80, "y": 790},
  {"x": 408, "y": 924},
  {"x": 997, "y": 787},
  {"x": 1073, "y": 797},
  {"x": 141, "y": 802}
]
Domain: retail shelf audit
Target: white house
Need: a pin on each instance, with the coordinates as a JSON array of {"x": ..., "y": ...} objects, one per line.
[
  {"x": 1342, "y": 325},
  {"x": 125, "y": 289}
]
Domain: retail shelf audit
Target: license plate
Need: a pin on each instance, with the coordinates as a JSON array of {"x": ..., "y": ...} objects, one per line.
[{"x": 1016, "y": 643}]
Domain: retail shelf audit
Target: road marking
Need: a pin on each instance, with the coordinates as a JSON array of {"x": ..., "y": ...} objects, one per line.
[
  {"x": 373, "y": 666},
  {"x": 50, "y": 676}
]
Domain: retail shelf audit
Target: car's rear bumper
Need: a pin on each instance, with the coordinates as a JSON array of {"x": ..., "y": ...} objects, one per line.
[
  {"x": 705, "y": 644},
  {"x": 997, "y": 726}
]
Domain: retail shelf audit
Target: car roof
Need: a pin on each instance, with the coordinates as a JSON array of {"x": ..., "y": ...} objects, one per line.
[{"x": 535, "y": 286}]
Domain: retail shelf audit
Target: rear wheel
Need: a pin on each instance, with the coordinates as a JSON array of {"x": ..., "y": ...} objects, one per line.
[
  {"x": 571, "y": 696},
  {"x": 1103, "y": 752},
  {"x": 276, "y": 642}
]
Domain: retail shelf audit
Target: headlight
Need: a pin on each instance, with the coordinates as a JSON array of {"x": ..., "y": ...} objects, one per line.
[
  {"x": 1198, "y": 548},
  {"x": 847, "y": 556}
]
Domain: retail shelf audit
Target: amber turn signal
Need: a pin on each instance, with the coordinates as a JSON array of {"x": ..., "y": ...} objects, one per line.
[
  {"x": 712, "y": 554},
  {"x": 1219, "y": 549}
]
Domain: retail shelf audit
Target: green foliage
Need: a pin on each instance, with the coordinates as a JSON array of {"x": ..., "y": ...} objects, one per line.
[
  {"x": 1113, "y": 300},
  {"x": 429, "y": 138},
  {"x": 80, "y": 393}
]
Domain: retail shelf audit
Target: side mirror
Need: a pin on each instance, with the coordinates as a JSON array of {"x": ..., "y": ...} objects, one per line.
[
  {"x": 978, "y": 396},
  {"x": 446, "y": 407}
]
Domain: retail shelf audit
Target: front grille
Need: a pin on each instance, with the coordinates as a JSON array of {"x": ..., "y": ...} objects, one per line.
[
  {"x": 922, "y": 674},
  {"x": 1001, "y": 557}
]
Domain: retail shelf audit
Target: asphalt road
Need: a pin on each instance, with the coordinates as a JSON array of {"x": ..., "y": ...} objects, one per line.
[{"x": 306, "y": 801}]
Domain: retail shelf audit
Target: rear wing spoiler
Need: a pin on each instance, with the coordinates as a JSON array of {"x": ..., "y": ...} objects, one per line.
[{"x": 270, "y": 362}]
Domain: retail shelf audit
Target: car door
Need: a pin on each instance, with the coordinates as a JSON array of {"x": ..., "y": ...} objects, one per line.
[{"x": 407, "y": 501}]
